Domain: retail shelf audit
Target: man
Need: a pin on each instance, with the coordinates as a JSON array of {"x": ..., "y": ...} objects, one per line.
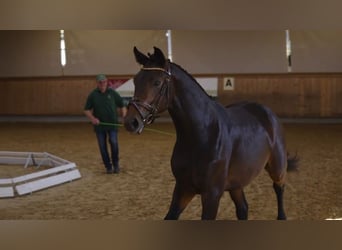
[{"x": 102, "y": 107}]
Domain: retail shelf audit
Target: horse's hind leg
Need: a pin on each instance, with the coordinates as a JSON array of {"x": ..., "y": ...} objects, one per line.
[
  {"x": 240, "y": 202},
  {"x": 276, "y": 168},
  {"x": 180, "y": 199},
  {"x": 279, "y": 187},
  {"x": 279, "y": 190}
]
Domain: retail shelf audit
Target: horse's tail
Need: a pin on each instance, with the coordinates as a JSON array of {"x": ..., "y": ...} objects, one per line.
[{"x": 292, "y": 163}]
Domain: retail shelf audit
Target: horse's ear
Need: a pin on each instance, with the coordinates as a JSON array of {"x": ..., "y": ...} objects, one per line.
[
  {"x": 159, "y": 56},
  {"x": 140, "y": 57}
]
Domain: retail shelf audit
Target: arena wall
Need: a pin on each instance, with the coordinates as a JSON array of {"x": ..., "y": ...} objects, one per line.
[
  {"x": 290, "y": 95},
  {"x": 33, "y": 81}
]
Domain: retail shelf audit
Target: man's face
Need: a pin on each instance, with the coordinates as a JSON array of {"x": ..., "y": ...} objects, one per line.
[{"x": 102, "y": 85}]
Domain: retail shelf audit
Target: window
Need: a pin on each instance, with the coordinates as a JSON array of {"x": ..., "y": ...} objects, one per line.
[
  {"x": 62, "y": 47},
  {"x": 169, "y": 44},
  {"x": 288, "y": 50}
]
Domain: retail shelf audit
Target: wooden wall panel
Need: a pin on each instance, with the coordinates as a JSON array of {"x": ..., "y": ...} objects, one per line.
[
  {"x": 44, "y": 96},
  {"x": 289, "y": 95}
]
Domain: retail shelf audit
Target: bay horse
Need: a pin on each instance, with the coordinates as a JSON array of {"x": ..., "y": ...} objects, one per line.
[{"x": 217, "y": 148}]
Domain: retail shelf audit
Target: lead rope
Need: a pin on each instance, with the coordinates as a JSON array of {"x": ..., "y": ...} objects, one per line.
[{"x": 147, "y": 129}]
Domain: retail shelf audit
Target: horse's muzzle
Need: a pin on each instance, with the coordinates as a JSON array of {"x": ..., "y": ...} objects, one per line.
[{"x": 134, "y": 124}]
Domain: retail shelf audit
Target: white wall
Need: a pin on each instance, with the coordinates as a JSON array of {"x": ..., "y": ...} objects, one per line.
[{"x": 89, "y": 52}]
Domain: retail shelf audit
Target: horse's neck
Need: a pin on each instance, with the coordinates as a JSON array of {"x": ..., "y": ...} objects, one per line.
[{"x": 190, "y": 103}]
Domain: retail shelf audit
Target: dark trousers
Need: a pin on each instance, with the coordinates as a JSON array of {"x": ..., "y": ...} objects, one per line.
[{"x": 112, "y": 136}]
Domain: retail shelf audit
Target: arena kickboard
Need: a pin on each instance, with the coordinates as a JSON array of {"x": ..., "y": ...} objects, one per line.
[
  {"x": 6, "y": 192},
  {"x": 60, "y": 171},
  {"x": 42, "y": 173},
  {"x": 51, "y": 181}
]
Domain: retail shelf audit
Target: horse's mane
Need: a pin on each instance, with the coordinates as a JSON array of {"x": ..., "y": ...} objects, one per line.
[
  {"x": 154, "y": 61},
  {"x": 192, "y": 78}
]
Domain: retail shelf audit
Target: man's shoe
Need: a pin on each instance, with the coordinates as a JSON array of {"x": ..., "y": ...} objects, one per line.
[
  {"x": 116, "y": 170},
  {"x": 109, "y": 171}
]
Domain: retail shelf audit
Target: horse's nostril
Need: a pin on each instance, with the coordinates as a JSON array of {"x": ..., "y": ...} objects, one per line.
[{"x": 132, "y": 124}]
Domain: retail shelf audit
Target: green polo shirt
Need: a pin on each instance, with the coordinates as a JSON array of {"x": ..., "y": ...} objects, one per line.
[{"x": 104, "y": 106}]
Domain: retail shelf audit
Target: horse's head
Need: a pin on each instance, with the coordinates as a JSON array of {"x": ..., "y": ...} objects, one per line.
[{"x": 151, "y": 90}]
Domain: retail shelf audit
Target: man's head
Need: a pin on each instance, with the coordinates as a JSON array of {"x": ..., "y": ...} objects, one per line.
[{"x": 102, "y": 82}]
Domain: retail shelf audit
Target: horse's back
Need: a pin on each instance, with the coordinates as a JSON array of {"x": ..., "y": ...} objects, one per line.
[{"x": 257, "y": 113}]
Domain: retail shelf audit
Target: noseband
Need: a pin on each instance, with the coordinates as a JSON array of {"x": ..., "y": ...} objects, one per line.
[{"x": 153, "y": 107}]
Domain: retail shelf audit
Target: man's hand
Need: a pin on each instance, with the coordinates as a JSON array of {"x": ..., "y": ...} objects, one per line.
[
  {"x": 95, "y": 121},
  {"x": 92, "y": 118}
]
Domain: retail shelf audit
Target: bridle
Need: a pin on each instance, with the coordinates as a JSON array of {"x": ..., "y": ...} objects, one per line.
[{"x": 153, "y": 107}]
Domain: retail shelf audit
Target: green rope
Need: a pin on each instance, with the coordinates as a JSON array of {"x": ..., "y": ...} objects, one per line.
[
  {"x": 111, "y": 124},
  {"x": 147, "y": 129}
]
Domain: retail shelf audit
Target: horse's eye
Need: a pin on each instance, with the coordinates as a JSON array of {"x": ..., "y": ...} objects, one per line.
[{"x": 157, "y": 83}]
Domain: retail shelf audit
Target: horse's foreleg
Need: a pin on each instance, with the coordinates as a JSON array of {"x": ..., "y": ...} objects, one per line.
[
  {"x": 210, "y": 204},
  {"x": 240, "y": 202},
  {"x": 180, "y": 199}
]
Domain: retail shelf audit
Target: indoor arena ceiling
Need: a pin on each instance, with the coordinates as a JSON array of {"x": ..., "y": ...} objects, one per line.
[{"x": 171, "y": 14}]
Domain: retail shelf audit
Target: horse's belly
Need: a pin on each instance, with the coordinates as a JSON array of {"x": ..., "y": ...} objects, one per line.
[
  {"x": 245, "y": 165},
  {"x": 240, "y": 176}
]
